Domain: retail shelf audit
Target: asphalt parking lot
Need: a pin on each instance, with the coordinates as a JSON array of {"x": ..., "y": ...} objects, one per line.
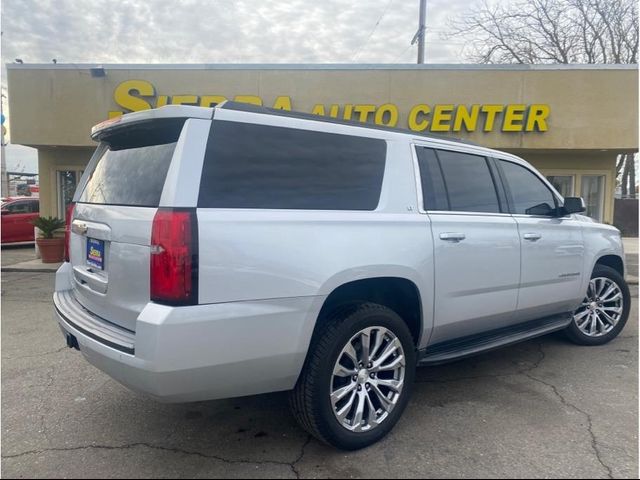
[{"x": 544, "y": 408}]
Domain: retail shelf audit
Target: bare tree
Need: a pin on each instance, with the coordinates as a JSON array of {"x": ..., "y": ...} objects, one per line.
[
  {"x": 626, "y": 174},
  {"x": 555, "y": 31},
  {"x": 551, "y": 31},
  {"x": 619, "y": 164}
]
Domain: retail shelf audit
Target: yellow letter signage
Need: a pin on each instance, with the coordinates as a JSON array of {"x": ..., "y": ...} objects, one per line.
[{"x": 135, "y": 95}]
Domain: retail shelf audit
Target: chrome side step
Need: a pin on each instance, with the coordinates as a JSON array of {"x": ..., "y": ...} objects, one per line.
[{"x": 475, "y": 344}]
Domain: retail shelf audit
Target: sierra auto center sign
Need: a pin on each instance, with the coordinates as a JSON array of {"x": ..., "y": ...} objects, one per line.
[{"x": 135, "y": 95}]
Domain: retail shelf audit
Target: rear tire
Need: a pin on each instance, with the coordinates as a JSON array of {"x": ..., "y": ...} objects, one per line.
[
  {"x": 604, "y": 311},
  {"x": 314, "y": 400}
]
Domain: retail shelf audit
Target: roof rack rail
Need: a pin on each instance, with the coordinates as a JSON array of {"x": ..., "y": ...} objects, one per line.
[{"x": 248, "y": 107}]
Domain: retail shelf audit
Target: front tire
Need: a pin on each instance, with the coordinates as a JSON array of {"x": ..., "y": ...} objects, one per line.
[
  {"x": 604, "y": 311},
  {"x": 358, "y": 377}
]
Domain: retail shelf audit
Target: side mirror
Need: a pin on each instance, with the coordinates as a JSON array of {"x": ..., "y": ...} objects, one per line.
[
  {"x": 4, "y": 212},
  {"x": 574, "y": 205}
]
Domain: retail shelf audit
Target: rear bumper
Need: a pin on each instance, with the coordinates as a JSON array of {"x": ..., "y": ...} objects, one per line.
[
  {"x": 73, "y": 314},
  {"x": 204, "y": 352}
]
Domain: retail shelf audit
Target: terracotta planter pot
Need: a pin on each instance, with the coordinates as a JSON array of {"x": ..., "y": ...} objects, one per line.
[{"x": 51, "y": 249}]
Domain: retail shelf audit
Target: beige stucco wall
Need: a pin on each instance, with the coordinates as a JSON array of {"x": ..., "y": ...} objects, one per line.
[{"x": 590, "y": 108}]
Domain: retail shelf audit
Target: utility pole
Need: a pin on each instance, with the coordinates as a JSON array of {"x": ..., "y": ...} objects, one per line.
[
  {"x": 422, "y": 30},
  {"x": 420, "y": 34}
]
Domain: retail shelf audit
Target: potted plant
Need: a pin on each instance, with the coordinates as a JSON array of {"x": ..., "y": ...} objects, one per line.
[{"x": 51, "y": 246}]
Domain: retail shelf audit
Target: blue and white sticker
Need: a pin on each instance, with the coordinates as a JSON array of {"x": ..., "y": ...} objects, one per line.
[{"x": 95, "y": 253}]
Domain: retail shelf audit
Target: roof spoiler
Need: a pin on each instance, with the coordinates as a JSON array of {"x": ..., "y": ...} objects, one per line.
[{"x": 168, "y": 111}]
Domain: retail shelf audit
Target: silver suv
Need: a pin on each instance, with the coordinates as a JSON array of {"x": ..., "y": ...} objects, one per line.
[{"x": 240, "y": 250}]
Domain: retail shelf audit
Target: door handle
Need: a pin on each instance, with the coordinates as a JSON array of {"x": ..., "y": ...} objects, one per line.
[
  {"x": 532, "y": 237},
  {"x": 80, "y": 228},
  {"x": 452, "y": 237}
]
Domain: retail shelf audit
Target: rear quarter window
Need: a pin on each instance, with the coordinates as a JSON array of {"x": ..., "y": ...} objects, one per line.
[{"x": 267, "y": 167}]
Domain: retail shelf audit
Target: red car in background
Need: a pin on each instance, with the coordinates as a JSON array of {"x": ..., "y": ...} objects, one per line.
[{"x": 17, "y": 215}]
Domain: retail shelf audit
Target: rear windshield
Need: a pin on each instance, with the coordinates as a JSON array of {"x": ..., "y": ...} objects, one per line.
[{"x": 133, "y": 167}]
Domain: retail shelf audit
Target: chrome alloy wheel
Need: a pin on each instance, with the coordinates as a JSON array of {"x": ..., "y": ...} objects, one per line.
[
  {"x": 368, "y": 378},
  {"x": 601, "y": 309}
]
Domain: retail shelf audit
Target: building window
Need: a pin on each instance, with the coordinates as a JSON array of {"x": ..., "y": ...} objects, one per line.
[
  {"x": 593, "y": 195},
  {"x": 564, "y": 184},
  {"x": 67, "y": 181}
]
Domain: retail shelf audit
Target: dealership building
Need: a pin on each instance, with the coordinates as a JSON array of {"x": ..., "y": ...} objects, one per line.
[{"x": 570, "y": 122}]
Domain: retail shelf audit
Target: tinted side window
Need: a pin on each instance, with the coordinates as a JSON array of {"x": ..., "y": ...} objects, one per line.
[
  {"x": 260, "y": 166},
  {"x": 468, "y": 182},
  {"x": 19, "y": 207},
  {"x": 529, "y": 195},
  {"x": 434, "y": 194}
]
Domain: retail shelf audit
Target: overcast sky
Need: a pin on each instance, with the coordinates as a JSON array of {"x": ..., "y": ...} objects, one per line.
[
  {"x": 223, "y": 31},
  {"x": 234, "y": 31}
]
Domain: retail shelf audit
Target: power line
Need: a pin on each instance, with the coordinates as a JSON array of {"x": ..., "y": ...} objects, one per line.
[
  {"x": 404, "y": 51},
  {"x": 372, "y": 31}
]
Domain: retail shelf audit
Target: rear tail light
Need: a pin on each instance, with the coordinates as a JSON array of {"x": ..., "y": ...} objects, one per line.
[
  {"x": 67, "y": 229},
  {"x": 174, "y": 257}
]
